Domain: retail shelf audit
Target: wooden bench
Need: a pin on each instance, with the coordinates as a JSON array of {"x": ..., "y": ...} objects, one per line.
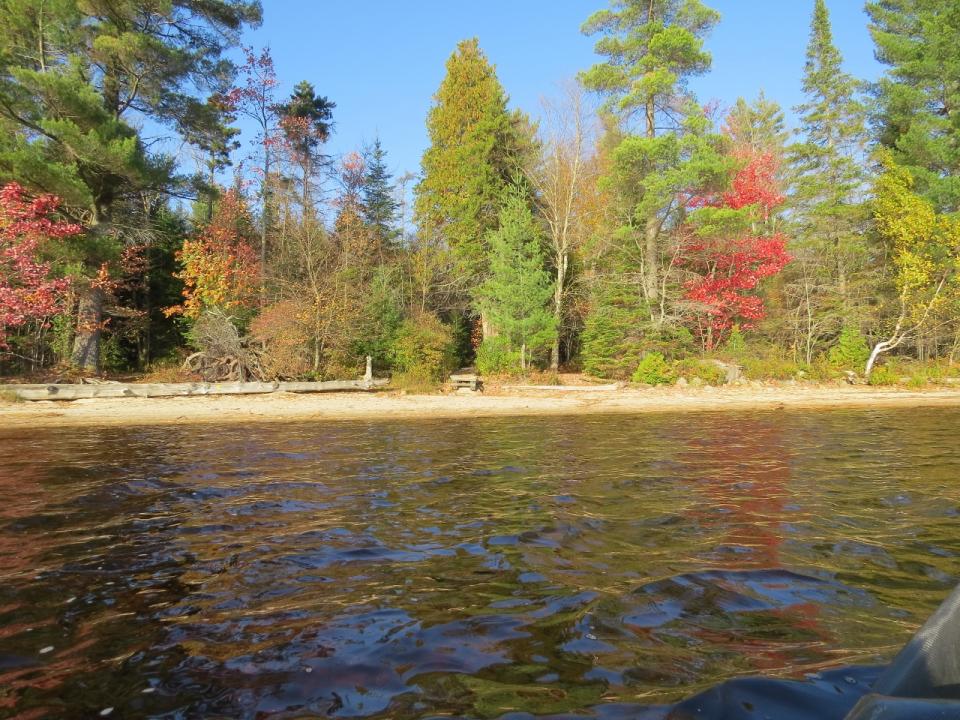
[{"x": 466, "y": 379}]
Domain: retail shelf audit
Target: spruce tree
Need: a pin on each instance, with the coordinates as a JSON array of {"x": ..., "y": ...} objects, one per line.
[
  {"x": 829, "y": 185},
  {"x": 380, "y": 206},
  {"x": 476, "y": 144},
  {"x": 516, "y": 296},
  {"x": 919, "y": 97}
]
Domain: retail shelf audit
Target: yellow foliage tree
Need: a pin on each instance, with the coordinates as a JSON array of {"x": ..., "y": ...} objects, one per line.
[{"x": 924, "y": 246}]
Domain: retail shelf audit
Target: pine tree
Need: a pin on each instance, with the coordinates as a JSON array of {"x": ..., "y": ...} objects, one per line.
[
  {"x": 476, "y": 144},
  {"x": 73, "y": 76},
  {"x": 919, "y": 96},
  {"x": 380, "y": 206},
  {"x": 829, "y": 188},
  {"x": 652, "y": 48},
  {"x": 516, "y": 296}
]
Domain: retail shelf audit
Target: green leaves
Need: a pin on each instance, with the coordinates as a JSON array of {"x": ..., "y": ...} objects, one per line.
[
  {"x": 475, "y": 146},
  {"x": 918, "y": 97},
  {"x": 651, "y": 48},
  {"x": 516, "y": 294}
]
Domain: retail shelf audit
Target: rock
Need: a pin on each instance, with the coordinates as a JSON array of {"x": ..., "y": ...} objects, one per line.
[
  {"x": 697, "y": 382},
  {"x": 682, "y": 382},
  {"x": 733, "y": 372}
]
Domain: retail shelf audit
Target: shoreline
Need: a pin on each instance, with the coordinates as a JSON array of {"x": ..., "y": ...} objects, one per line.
[{"x": 387, "y": 405}]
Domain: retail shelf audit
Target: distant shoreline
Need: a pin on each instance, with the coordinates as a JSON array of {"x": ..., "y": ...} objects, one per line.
[{"x": 280, "y": 407}]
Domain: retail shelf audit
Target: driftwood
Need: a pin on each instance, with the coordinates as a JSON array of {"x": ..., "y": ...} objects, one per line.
[
  {"x": 157, "y": 390},
  {"x": 224, "y": 355}
]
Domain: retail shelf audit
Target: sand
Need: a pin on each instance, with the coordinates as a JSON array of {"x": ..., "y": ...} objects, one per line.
[{"x": 394, "y": 405}]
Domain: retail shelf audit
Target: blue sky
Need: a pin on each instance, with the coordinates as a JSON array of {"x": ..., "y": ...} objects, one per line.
[{"x": 382, "y": 60}]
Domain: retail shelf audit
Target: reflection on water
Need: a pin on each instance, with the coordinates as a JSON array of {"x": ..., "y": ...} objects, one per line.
[{"x": 470, "y": 568}]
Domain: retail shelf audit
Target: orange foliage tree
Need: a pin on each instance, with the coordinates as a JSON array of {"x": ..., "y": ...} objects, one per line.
[{"x": 220, "y": 268}]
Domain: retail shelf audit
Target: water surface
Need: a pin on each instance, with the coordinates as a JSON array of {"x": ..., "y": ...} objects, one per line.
[{"x": 473, "y": 568}]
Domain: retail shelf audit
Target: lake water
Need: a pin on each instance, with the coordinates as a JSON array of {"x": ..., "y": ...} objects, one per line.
[{"x": 473, "y": 568}]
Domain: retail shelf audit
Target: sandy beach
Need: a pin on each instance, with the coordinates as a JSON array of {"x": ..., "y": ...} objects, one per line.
[{"x": 390, "y": 404}]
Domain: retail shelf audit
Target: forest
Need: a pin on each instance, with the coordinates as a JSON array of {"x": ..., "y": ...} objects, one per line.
[{"x": 628, "y": 232}]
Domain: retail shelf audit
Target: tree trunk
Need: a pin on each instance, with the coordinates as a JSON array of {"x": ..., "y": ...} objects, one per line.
[
  {"x": 651, "y": 285},
  {"x": 265, "y": 225},
  {"x": 86, "y": 342},
  {"x": 562, "y": 263}
]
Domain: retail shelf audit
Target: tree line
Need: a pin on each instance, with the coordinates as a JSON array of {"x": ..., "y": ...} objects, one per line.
[{"x": 630, "y": 231}]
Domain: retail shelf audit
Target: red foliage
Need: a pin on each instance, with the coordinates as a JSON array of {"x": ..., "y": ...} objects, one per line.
[
  {"x": 27, "y": 292},
  {"x": 755, "y": 183},
  {"x": 730, "y": 268}
]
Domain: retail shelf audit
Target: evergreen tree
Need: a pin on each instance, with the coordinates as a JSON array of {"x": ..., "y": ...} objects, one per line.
[
  {"x": 758, "y": 125},
  {"x": 829, "y": 185},
  {"x": 516, "y": 296},
  {"x": 307, "y": 121},
  {"x": 380, "y": 206},
  {"x": 476, "y": 144},
  {"x": 918, "y": 98},
  {"x": 652, "y": 47}
]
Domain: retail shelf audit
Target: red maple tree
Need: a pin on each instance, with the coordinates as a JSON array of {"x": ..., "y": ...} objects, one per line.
[
  {"x": 28, "y": 293},
  {"x": 729, "y": 266}
]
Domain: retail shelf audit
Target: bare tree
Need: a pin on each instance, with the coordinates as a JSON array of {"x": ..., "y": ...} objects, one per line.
[{"x": 562, "y": 176}]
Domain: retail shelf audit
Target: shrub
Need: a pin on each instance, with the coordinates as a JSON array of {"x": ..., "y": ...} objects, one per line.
[
  {"x": 708, "y": 372},
  {"x": 423, "y": 347},
  {"x": 653, "y": 370},
  {"x": 769, "y": 367},
  {"x": 494, "y": 357},
  {"x": 850, "y": 351},
  {"x": 736, "y": 346},
  {"x": 419, "y": 381},
  {"x": 883, "y": 376},
  {"x": 282, "y": 328}
]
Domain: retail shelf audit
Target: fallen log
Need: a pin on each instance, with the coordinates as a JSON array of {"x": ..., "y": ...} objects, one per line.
[{"x": 158, "y": 390}]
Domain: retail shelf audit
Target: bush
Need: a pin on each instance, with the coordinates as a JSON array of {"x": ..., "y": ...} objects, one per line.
[
  {"x": 736, "y": 346},
  {"x": 653, "y": 370},
  {"x": 494, "y": 357},
  {"x": 883, "y": 376},
  {"x": 770, "y": 367},
  {"x": 850, "y": 351},
  {"x": 283, "y": 330},
  {"x": 423, "y": 347},
  {"x": 710, "y": 373}
]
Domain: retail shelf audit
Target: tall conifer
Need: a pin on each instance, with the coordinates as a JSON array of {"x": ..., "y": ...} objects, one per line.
[
  {"x": 919, "y": 98},
  {"x": 830, "y": 181},
  {"x": 475, "y": 146}
]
